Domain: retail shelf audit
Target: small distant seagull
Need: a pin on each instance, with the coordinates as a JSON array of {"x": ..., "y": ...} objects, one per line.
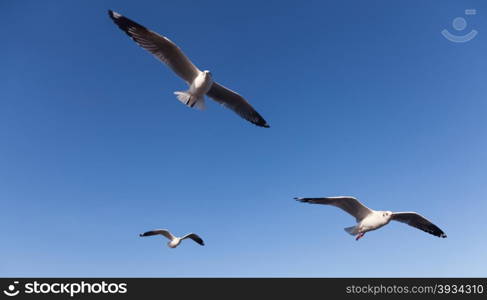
[
  {"x": 173, "y": 240},
  {"x": 368, "y": 219},
  {"x": 200, "y": 82}
]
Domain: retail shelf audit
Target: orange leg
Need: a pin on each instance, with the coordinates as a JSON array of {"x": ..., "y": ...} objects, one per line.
[{"x": 359, "y": 236}]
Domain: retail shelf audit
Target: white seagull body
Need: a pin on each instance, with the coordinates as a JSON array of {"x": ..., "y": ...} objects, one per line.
[
  {"x": 174, "y": 241},
  {"x": 369, "y": 219},
  {"x": 200, "y": 82}
]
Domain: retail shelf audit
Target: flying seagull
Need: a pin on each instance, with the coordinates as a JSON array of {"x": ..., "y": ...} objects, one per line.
[
  {"x": 369, "y": 219},
  {"x": 200, "y": 82},
  {"x": 174, "y": 241}
]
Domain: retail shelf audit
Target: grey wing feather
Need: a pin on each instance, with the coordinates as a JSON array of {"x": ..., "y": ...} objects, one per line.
[
  {"x": 163, "y": 232},
  {"x": 237, "y": 103},
  {"x": 160, "y": 46},
  {"x": 349, "y": 204},
  {"x": 195, "y": 238},
  {"x": 416, "y": 220}
]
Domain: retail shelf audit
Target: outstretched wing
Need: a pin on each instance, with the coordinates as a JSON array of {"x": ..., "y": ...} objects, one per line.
[
  {"x": 418, "y": 221},
  {"x": 195, "y": 238},
  {"x": 237, "y": 103},
  {"x": 160, "y": 46},
  {"x": 348, "y": 204},
  {"x": 163, "y": 232}
]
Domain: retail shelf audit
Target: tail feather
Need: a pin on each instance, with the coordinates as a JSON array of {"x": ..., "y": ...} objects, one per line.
[
  {"x": 352, "y": 230},
  {"x": 190, "y": 100}
]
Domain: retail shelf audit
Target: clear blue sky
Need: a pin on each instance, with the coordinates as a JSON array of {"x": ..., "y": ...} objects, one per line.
[{"x": 364, "y": 98}]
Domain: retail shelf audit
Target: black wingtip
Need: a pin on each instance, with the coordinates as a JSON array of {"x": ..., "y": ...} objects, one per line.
[
  {"x": 443, "y": 235},
  {"x": 261, "y": 122},
  {"x": 299, "y": 199},
  {"x": 114, "y": 15},
  {"x": 124, "y": 23}
]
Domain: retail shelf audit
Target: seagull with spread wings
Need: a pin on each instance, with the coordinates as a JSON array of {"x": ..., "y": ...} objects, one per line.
[
  {"x": 173, "y": 240},
  {"x": 200, "y": 82},
  {"x": 369, "y": 219}
]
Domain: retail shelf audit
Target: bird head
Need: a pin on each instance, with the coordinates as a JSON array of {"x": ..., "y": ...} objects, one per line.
[
  {"x": 387, "y": 214},
  {"x": 207, "y": 72}
]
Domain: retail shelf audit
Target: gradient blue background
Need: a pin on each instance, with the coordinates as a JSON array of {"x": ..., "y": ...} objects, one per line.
[{"x": 364, "y": 98}]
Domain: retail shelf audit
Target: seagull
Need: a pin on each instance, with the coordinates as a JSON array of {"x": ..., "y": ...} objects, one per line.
[
  {"x": 173, "y": 240},
  {"x": 369, "y": 219},
  {"x": 200, "y": 82}
]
